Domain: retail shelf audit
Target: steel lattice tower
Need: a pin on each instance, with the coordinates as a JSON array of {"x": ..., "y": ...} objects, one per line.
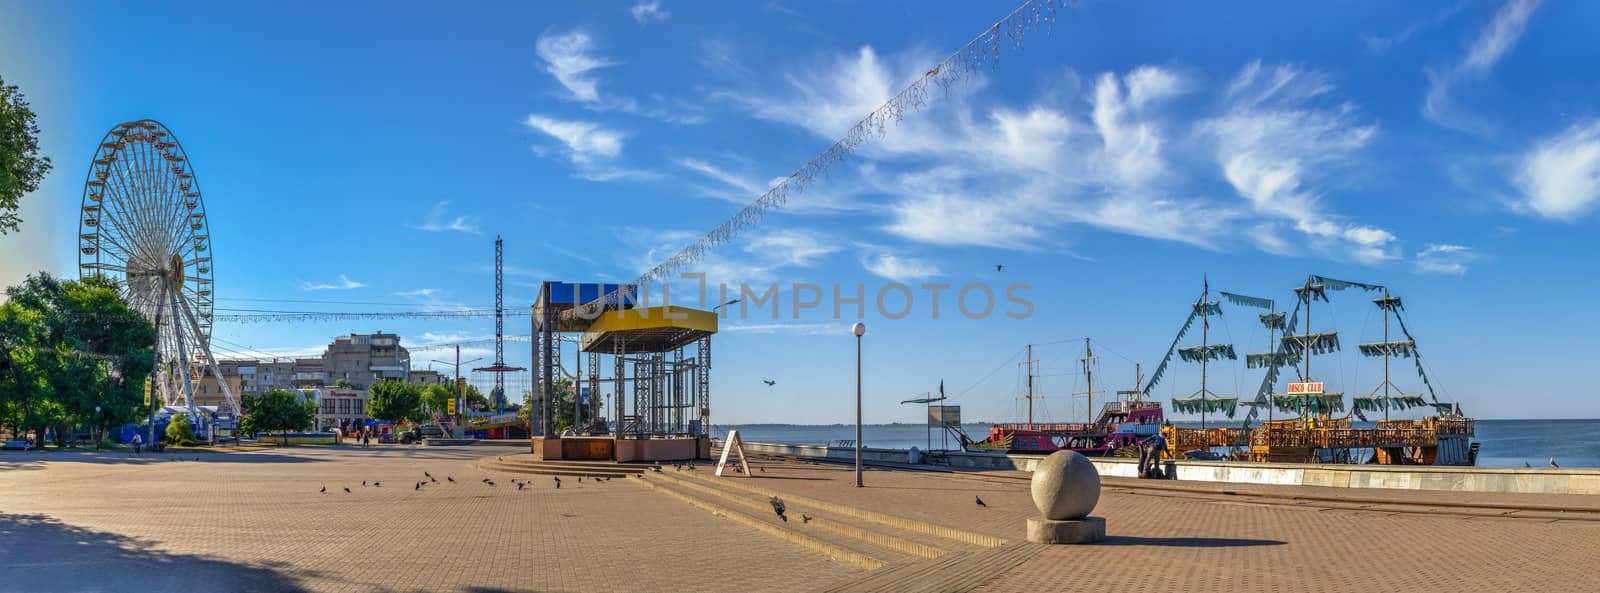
[{"x": 499, "y": 324}]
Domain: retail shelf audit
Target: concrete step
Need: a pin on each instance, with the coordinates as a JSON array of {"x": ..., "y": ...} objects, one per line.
[
  {"x": 846, "y": 511},
  {"x": 954, "y": 572},
  {"x": 529, "y": 461},
  {"x": 839, "y": 548},
  {"x": 881, "y": 536}
]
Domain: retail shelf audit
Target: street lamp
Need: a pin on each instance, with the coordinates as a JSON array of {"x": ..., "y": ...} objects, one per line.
[
  {"x": 732, "y": 302},
  {"x": 859, "y": 329}
]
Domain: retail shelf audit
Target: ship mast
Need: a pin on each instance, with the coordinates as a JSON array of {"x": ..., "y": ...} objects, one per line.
[
  {"x": 1386, "y": 352},
  {"x": 1030, "y": 362},
  {"x": 1205, "y": 334},
  {"x": 1088, "y": 373}
]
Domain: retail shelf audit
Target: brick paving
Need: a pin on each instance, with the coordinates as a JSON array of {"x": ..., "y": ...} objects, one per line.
[
  {"x": 255, "y": 521},
  {"x": 1195, "y": 542}
]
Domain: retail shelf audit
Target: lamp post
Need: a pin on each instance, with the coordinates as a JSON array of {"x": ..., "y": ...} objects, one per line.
[
  {"x": 732, "y": 302},
  {"x": 859, "y": 329}
]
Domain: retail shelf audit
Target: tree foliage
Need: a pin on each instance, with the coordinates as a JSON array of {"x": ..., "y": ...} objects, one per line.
[
  {"x": 277, "y": 410},
  {"x": 563, "y": 412},
  {"x": 21, "y": 167},
  {"x": 394, "y": 400},
  {"x": 437, "y": 397},
  {"x": 68, "y": 348},
  {"x": 180, "y": 431}
]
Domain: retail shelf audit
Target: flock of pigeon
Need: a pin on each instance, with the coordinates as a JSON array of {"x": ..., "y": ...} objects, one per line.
[{"x": 520, "y": 484}]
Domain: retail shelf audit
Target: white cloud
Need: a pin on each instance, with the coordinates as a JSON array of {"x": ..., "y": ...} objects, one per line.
[
  {"x": 758, "y": 262},
  {"x": 1493, "y": 43},
  {"x": 585, "y": 141},
  {"x": 899, "y": 269},
  {"x": 1273, "y": 144},
  {"x": 792, "y": 329},
  {"x": 1560, "y": 176},
  {"x": 1379, "y": 44},
  {"x": 648, "y": 10},
  {"x": 418, "y": 293},
  {"x": 1444, "y": 258},
  {"x": 570, "y": 59},
  {"x": 438, "y": 221},
  {"x": 344, "y": 283}
]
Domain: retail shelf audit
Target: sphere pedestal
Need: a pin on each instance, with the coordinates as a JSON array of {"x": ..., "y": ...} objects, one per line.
[
  {"x": 1065, "y": 486},
  {"x": 1087, "y": 530}
]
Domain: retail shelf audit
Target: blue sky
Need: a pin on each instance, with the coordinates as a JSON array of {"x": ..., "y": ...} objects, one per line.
[{"x": 370, "y": 154}]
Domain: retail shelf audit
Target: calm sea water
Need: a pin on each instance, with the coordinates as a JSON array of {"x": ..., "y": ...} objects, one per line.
[{"x": 1506, "y": 443}]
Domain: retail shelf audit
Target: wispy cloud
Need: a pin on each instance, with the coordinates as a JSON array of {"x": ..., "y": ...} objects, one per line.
[
  {"x": 1559, "y": 177},
  {"x": 1274, "y": 142},
  {"x": 439, "y": 221},
  {"x": 584, "y": 141},
  {"x": 420, "y": 293},
  {"x": 791, "y": 329},
  {"x": 570, "y": 58},
  {"x": 739, "y": 189},
  {"x": 897, "y": 268},
  {"x": 647, "y": 11},
  {"x": 1445, "y": 258},
  {"x": 344, "y": 283},
  {"x": 1379, "y": 44},
  {"x": 1493, "y": 43},
  {"x": 574, "y": 60}
]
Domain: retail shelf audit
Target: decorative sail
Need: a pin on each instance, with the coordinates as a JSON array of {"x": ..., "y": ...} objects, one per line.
[
  {"x": 1374, "y": 403},
  {"x": 1318, "y": 343},
  {"x": 1264, "y": 393},
  {"x": 1256, "y": 360},
  {"x": 1416, "y": 356},
  {"x": 1401, "y": 348},
  {"x": 1322, "y": 403},
  {"x": 1208, "y": 352},
  {"x": 1210, "y": 404},
  {"x": 1333, "y": 284},
  {"x": 1161, "y": 369},
  {"x": 1248, "y": 301},
  {"x": 1272, "y": 321}
]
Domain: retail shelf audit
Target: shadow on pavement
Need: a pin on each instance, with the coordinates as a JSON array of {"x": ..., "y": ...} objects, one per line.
[
  {"x": 44, "y": 555},
  {"x": 1188, "y": 542},
  {"x": 36, "y": 459}
]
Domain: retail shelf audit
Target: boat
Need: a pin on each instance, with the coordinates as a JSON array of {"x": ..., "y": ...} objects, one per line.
[
  {"x": 1119, "y": 427},
  {"x": 1320, "y": 429}
]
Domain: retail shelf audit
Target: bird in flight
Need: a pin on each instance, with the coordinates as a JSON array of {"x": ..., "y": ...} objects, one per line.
[
  {"x": 980, "y": 502},
  {"x": 778, "y": 507},
  {"x": 999, "y": 267},
  {"x": 769, "y": 382}
]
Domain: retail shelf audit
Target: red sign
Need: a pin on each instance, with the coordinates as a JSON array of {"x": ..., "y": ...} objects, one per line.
[{"x": 1312, "y": 388}]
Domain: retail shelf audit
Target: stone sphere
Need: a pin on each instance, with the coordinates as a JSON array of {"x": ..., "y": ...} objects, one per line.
[{"x": 1066, "y": 486}]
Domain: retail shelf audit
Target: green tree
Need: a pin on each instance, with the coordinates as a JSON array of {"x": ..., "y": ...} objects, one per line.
[
  {"x": 475, "y": 399},
  {"x": 21, "y": 167},
  {"x": 394, "y": 400},
  {"x": 279, "y": 410},
  {"x": 344, "y": 383},
  {"x": 180, "y": 431},
  {"x": 437, "y": 397},
  {"x": 565, "y": 395},
  {"x": 72, "y": 347}
]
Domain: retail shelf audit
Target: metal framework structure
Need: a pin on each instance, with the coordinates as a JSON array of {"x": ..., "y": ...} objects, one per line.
[
  {"x": 143, "y": 223},
  {"x": 498, "y": 396}
]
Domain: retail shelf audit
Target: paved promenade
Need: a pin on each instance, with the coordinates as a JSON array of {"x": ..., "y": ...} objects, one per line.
[{"x": 256, "y": 521}]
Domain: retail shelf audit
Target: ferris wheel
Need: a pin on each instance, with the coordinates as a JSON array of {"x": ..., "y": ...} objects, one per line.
[{"x": 143, "y": 224}]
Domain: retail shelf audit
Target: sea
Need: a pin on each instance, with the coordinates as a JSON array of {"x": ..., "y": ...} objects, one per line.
[{"x": 1505, "y": 443}]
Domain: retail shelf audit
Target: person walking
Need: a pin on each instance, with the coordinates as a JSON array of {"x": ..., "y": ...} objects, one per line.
[{"x": 138, "y": 442}]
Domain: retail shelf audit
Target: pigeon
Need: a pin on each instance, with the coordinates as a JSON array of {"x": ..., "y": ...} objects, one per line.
[
  {"x": 769, "y": 382},
  {"x": 519, "y": 485},
  {"x": 500, "y": 458},
  {"x": 426, "y": 474},
  {"x": 763, "y": 469},
  {"x": 197, "y": 459},
  {"x": 485, "y": 480},
  {"x": 804, "y": 518},
  {"x": 433, "y": 479},
  {"x": 580, "y": 479},
  {"x": 980, "y": 502},
  {"x": 376, "y": 484},
  {"x": 490, "y": 482},
  {"x": 324, "y": 490},
  {"x": 1553, "y": 462},
  {"x": 657, "y": 469},
  {"x": 419, "y": 486},
  {"x": 778, "y": 507},
  {"x": 999, "y": 267},
  {"x": 1526, "y": 464},
  {"x": 450, "y": 478},
  {"x": 363, "y": 482},
  {"x": 347, "y": 490}
]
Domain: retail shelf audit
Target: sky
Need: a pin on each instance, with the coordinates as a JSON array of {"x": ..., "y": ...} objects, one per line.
[{"x": 363, "y": 157}]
